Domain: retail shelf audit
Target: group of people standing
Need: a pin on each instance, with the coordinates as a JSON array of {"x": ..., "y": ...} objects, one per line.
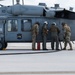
[{"x": 54, "y": 33}]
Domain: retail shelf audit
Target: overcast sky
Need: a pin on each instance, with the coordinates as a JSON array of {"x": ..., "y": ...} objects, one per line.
[{"x": 63, "y": 3}]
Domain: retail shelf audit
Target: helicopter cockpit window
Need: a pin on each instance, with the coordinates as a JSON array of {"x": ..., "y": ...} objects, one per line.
[
  {"x": 12, "y": 25},
  {"x": 25, "y": 25}
]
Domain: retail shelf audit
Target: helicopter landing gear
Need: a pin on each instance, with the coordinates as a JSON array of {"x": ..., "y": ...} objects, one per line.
[
  {"x": 5, "y": 44},
  {"x": 1, "y": 45}
]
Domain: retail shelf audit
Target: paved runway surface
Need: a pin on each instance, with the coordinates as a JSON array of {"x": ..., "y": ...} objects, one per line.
[{"x": 28, "y": 62}]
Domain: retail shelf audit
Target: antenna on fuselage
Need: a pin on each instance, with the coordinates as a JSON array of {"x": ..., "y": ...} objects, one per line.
[
  {"x": 13, "y": 2},
  {"x": 22, "y": 2},
  {"x": 71, "y": 8},
  {"x": 18, "y": 1}
]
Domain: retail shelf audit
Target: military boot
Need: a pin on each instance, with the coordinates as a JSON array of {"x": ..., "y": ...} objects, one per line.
[
  {"x": 64, "y": 49},
  {"x": 70, "y": 49}
]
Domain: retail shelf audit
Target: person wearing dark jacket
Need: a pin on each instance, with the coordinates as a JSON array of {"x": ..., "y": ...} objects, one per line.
[{"x": 54, "y": 30}]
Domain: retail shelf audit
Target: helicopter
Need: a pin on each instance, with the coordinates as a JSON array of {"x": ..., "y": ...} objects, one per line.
[{"x": 16, "y": 21}]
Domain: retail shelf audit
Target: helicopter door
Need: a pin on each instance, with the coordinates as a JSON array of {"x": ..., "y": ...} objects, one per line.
[
  {"x": 26, "y": 30},
  {"x": 11, "y": 30}
]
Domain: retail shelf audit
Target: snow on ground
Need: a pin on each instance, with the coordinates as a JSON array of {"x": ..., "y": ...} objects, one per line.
[{"x": 54, "y": 63}]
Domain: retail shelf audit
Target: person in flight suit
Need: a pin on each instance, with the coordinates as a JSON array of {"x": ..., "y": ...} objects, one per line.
[
  {"x": 35, "y": 32},
  {"x": 54, "y": 30},
  {"x": 44, "y": 34},
  {"x": 67, "y": 35}
]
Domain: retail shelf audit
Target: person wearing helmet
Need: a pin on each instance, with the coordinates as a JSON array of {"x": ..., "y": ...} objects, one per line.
[
  {"x": 66, "y": 35},
  {"x": 54, "y": 31},
  {"x": 44, "y": 34}
]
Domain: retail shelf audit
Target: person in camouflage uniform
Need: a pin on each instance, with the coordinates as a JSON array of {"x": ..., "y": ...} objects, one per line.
[
  {"x": 35, "y": 32},
  {"x": 54, "y": 30},
  {"x": 44, "y": 34},
  {"x": 67, "y": 35}
]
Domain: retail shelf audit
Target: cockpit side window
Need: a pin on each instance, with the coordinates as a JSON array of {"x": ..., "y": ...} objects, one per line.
[{"x": 12, "y": 25}]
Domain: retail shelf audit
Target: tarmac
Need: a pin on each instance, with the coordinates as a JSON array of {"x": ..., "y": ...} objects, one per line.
[{"x": 17, "y": 60}]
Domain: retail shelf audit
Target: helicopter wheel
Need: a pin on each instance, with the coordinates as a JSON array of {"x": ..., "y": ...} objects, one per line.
[
  {"x": 5, "y": 45},
  {"x": 1, "y": 46}
]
